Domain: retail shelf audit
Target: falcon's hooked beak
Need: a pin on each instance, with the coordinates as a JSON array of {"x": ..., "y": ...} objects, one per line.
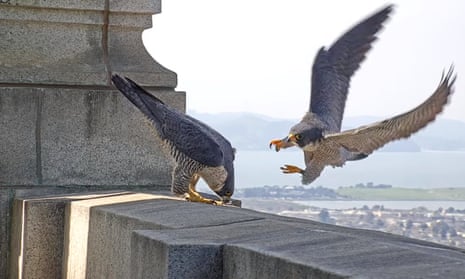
[
  {"x": 284, "y": 142},
  {"x": 291, "y": 138}
]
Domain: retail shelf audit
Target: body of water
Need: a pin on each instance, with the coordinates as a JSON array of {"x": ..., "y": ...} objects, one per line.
[
  {"x": 400, "y": 169},
  {"x": 431, "y": 205}
]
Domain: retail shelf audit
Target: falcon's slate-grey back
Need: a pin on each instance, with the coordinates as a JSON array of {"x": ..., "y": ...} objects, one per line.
[{"x": 197, "y": 149}]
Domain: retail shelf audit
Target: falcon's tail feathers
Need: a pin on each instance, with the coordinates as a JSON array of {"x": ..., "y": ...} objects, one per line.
[
  {"x": 144, "y": 101},
  {"x": 143, "y": 91}
]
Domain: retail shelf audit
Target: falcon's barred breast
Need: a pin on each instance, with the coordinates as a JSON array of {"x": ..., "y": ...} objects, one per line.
[{"x": 198, "y": 150}]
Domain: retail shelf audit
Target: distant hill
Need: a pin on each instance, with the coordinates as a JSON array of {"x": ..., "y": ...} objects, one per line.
[{"x": 249, "y": 131}]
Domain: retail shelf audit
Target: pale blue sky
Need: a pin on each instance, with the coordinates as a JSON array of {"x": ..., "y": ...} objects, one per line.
[{"x": 256, "y": 55}]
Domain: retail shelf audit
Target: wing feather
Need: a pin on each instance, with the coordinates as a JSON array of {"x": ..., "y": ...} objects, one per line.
[
  {"x": 368, "y": 138},
  {"x": 188, "y": 135},
  {"x": 333, "y": 68}
]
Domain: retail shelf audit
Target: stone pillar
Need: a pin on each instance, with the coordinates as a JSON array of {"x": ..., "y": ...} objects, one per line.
[{"x": 63, "y": 126}]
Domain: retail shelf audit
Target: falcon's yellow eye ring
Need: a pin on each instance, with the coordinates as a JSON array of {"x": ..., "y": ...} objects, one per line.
[
  {"x": 228, "y": 193},
  {"x": 298, "y": 137}
]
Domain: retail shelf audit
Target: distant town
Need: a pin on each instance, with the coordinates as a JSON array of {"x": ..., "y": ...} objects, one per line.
[{"x": 442, "y": 225}]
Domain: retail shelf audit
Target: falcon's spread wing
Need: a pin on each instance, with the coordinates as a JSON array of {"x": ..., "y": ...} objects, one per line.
[
  {"x": 195, "y": 141},
  {"x": 366, "y": 139},
  {"x": 334, "y": 67}
]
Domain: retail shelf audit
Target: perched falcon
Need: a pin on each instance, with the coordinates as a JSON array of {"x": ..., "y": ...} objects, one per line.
[
  {"x": 318, "y": 131},
  {"x": 198, "y": 150}
]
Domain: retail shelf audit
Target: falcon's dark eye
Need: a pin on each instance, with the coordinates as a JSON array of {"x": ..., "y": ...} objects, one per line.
[
  {"x": 228, "y": 193},
  {"x": 298, "y": 137}
]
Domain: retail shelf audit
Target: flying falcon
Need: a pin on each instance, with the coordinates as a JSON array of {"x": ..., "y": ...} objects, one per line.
[
  {"x": 318, "y": 133},
  {"x": 334, "y": 149},
  {"x": 198, "y": 150}
]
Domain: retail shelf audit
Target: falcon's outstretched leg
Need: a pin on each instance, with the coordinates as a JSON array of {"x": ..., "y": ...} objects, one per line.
[
  {"x": 193, "y": 196},
  {"x": 291, "y": 169}
]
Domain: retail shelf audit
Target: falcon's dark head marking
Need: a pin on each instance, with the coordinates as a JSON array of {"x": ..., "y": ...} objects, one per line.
[{"x": 305, "y": 137}]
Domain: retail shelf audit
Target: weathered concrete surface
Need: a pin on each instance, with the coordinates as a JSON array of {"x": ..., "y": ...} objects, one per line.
[
  {"x": 5, "y": 207},
  {"x": 38, "y": 235},
  {"x": 37, "y": 238},
  {"x": 161, "y": 257},
  {"x": 18, "y": 137},
  {"x": 111, "y": 227},
  {"x": 77, "y": 232},
  {"x": 77, "y": 42},
  {"x": 54, "y": 136},
  {"x": 291, "y": 248},
  {"x": 134, "y": 235},
  {"x": 62, "y": 123},
  {"x": 136, "y": 239}
]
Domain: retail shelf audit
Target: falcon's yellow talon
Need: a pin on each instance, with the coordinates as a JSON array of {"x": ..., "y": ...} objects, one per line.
[
  {"x": 218, "y": 203},
  {"x": 193, "y": 196},
  {"x": 291, "y": 169},
  {"x": 196, "y": 197}
]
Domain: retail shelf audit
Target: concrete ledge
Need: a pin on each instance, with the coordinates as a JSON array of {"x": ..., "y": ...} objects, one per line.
[
  {"x": 37, "y": 235},
  {"x": 37, "y": 238},
  {"x": 257, "y": 245},
  {"x": 131, "y": 235},
  {"x": 77, "y": 231},
  {"x": 155, "y": 255},
  {"x": 111, "y": 228},
  {"x": 289, "y": 248}
]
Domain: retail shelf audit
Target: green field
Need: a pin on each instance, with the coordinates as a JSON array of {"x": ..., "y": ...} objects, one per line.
[{"x": 452, "y": 194}]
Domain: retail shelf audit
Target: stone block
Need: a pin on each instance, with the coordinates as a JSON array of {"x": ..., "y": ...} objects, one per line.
[
  {"x": 131, "y": 235},
  {"x": 78, "y": 233},
  {"x": 316, "y": 250},
  {"x": 155, "y": 255},
  {"x": 99, "y": 138},
  {"x": 62, "y": 123},
  {"x": 137, "y": 65},
  {"x": 5, "y": 225},
  {"x": 51, "y": 46},
  {"x": 77, "y": 42},
  {"x": 276, "y": 247},
  {"x": 62, "y": 136},
  {"x": 111, "y": 227},
  {"x": 37, "y": 239},
  {"x": 37, "y": 234},
  {"x": 18, "y": 120},
  {"x": 152, "y": 6}
]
